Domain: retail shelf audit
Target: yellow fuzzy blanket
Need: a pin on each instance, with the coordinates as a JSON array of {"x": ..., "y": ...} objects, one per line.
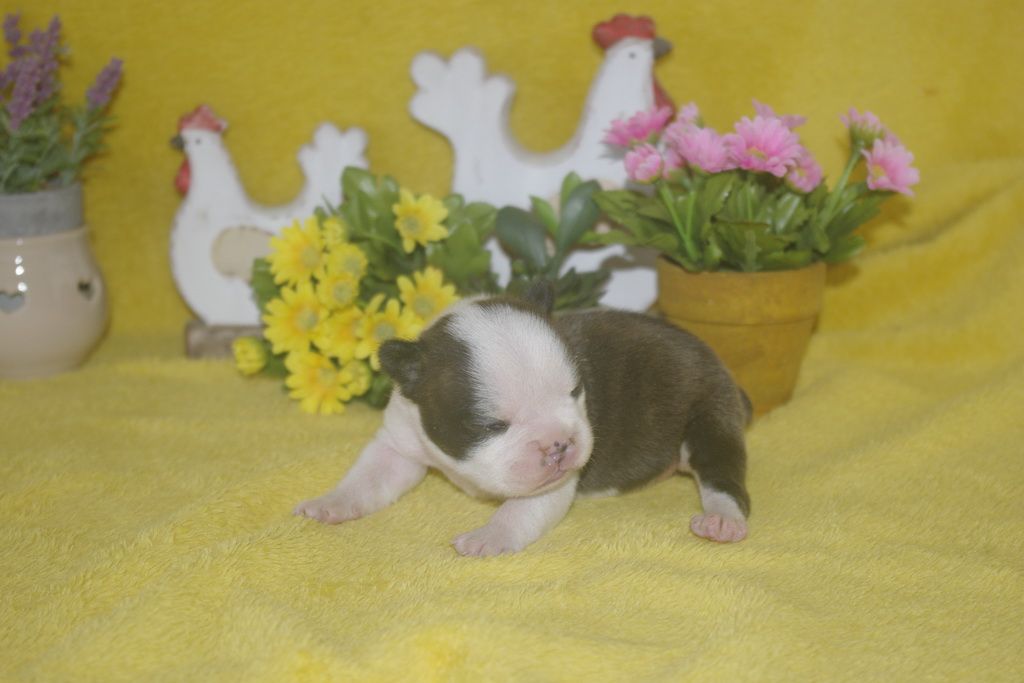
[{"x": 145, "y": 532}]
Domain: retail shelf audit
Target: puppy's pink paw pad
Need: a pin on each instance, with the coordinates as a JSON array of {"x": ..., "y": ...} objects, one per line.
[{"x": 715, "y": 527}]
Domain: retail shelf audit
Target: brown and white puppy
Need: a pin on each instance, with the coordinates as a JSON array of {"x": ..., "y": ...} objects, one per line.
[{"x": 512, "y": 404}]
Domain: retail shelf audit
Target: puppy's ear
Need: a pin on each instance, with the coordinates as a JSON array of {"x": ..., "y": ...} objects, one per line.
[
  {"x": 541, "y": 294},
  {"x": 403, "y": 363}
]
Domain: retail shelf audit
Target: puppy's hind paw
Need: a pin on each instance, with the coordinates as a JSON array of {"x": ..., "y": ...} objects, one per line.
[
  {"x": 330, "y": 508},
  {"x": 715, "y": 527}
]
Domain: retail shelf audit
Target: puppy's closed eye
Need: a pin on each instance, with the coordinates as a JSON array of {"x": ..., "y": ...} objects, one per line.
[{"x": 496, "y": 427}]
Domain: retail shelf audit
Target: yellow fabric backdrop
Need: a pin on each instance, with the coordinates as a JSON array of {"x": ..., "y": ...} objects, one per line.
[{"x": 144, "y": 499}]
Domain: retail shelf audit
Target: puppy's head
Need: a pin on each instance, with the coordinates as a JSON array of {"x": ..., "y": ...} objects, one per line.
[{"x": 498, "y": 393}]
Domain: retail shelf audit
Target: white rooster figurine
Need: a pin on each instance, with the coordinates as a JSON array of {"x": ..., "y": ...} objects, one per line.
[
  {"x": 461, "y": 101},
  {"x": 218, "y": 230}
]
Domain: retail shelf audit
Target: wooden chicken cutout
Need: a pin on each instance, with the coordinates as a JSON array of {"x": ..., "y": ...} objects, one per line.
[
  {"x": 219, "y": 230},
  {"x": 458, "y": 98}
]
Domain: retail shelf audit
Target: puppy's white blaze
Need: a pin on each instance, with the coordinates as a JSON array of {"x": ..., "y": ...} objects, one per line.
[
  {"x": 522, "y": 373},
  {"x": 516, "y": 358}
]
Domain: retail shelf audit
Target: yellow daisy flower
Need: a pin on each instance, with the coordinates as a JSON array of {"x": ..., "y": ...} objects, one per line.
[
  {"x": 418, "y": 221},
  {"x": 429, "y": 295},
  {"x": 334, "y": 232},
  {"x": 250, "y": 356},
  {"x": 296, "y": 253},
  {"x": 336, "y": 336},
  {"x": 316, "y": 383},
  {"x": 377, "y": 326},
  {"x": 357, "y": 377},
  {"x": 337, "y": 292},
  {"x": 344, "y": 259},
  {"x": 292, "y": 320}
]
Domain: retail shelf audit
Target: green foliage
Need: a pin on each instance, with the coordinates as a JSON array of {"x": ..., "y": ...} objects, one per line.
[
  {"x": 368, "y": 217},
  {"x": 370, "y": 221},
  {"x": 262, "y": 282},
  {"x": 739, "y": 220},
  {"x": 540, "y": 241}
]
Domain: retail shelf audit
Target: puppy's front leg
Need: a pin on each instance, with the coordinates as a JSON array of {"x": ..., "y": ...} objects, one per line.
[
  {"x": 518, "y": 522},
  {"x": 378, "y": 478}
]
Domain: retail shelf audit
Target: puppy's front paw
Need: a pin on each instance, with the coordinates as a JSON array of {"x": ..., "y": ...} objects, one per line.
[
  {"x": 330, "y": 508},
  {"x": 715, "y": 527},
  {"x": 488, "y": 540}
]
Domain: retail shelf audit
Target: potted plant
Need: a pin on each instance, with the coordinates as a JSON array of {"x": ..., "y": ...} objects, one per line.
[
  {"x": 540, "y": 241},
  {"x": 52, "y": 297},
  {"x": 745, "y": 226}
]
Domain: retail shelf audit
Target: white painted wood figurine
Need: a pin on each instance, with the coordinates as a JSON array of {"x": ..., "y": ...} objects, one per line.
[
  {"x": 460, "y": 100},
  {"x": 219, "y": 230}
]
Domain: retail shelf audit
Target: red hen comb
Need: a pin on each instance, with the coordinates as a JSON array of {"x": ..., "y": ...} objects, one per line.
[
  {"x": 202, "y": 118},
  {"x": 607, "y": 33}
]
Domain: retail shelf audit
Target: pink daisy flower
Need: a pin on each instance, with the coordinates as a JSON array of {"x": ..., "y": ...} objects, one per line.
[
  {"x": 701, "y": 148},
  {"x": 763, "y": 144},
  {"x": 638, "y": 128},
  {"x": 643, "y": 164},
  {"x": 806, "y": 175},
  {"x": 790, "y": 121},
  {"x": 865, "y": 128},
  {"x": 889, "y": 167},
  {"x": 671, "y": 162},
  {"x": 689, "y": 113}
]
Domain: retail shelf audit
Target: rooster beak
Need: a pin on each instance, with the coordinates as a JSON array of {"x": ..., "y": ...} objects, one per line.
[
  {"x": 178, "y": 143},
  {"x": 661, "y": 47}
]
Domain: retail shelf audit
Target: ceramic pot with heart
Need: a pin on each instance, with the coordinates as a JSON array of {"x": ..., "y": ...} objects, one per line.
[{"x": 53, "y": 301}]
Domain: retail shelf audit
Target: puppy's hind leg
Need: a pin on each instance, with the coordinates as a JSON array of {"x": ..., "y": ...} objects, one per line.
[{"x": 714, "y": 451}]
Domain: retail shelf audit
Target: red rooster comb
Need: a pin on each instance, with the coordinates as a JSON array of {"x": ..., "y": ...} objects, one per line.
[
  {"x": 607, "y": 33},
  {"x": 202, "y": 118}
]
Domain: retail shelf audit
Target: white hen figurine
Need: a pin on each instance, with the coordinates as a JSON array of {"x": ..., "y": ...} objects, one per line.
[
  {"x": 219, "y": 230},
  {"x": 457, "y": 98}
]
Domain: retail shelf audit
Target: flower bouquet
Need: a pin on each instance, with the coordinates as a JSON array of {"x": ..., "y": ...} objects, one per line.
[
  {"x": 43, "y": 141},
  {"x": 752, "y": 199},
  {"x": 339, "y": 284}
]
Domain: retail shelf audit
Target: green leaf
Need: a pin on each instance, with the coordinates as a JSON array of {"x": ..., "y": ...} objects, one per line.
[
  {"x": 569, "y": 183},
  {"x": 853, "y": 215},
  {"x": 380, "y": 391},
  {"x": 845, "y": 248},
  {"x": 579, "y": 214},
  {"x": 546, "y": 213},
  {"x": 714, "y": 193},
  {"x": 750, "y": 251},
  {"x": 264, "y": 288},
  {"x": 462, "y": 256},
  {"x": 524, "y": 236},
  {"x": 785, "y": 260},
  {"x": 788, "y": 212},
  {"x": 275, "y": 363},
  {"x": 712, "y": 252},
  {"x": 357, "y": 181}
]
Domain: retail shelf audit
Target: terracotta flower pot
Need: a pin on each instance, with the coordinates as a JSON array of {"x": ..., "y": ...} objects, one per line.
[
  {"x": 53, "y": 302},
  {"x": 758, "y": 323}
]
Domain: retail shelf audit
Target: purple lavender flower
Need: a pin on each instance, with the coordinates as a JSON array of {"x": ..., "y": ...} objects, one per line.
[
  {"x": 46, "y": 47},
  {"x": 11, "y": 31},
  {"x": 107, "y": 80},
  {"x": 25, "y": 91}
]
